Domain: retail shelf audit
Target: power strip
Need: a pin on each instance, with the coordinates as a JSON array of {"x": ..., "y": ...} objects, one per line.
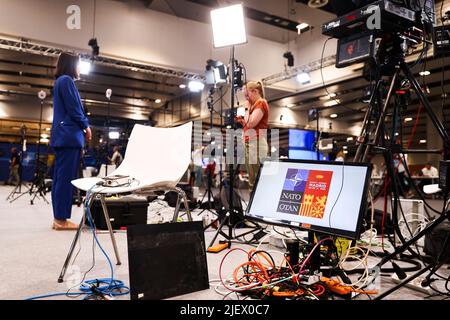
[{"x": 415, "y": 284}]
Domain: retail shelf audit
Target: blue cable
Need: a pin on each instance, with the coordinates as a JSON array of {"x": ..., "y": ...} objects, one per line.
[{"x": 111, "y": 287}]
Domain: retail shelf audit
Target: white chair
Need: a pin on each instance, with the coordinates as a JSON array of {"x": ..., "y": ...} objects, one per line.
[{"x": 155, "y": 160}]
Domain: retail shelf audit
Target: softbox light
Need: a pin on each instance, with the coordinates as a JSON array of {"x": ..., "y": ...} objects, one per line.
[{"x": 228, "y": 26}]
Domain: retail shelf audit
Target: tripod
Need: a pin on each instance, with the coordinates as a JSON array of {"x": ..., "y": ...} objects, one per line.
[
  {"x": 209, "y": 169},
  {"x": 373, "y": 137},
  {"x": 38, "y": 188},
  {"x": 18, "y": 188}
]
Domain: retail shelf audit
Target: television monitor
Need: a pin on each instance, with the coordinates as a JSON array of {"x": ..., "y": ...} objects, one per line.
[
  {"x": 295, "y": 154},
  {"x": 321, "y": 196},
  {"x": 302, "y": 139}
]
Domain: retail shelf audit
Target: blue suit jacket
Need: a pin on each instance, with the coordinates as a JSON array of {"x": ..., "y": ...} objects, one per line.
[{"x": 69, "y": 120}]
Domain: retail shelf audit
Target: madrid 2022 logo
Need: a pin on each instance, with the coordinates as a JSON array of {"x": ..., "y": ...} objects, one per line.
[{"x": 305, "y": 193}]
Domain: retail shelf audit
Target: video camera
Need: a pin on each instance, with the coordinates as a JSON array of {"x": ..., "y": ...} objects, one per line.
[{"x": 362, "y": 22}]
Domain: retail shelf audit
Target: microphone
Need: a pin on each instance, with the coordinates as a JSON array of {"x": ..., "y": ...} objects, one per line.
[{"x": 108, "y": 94}]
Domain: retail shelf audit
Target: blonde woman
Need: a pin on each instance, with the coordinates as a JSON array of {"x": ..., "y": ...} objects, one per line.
[{"x": 255, "y": 123}]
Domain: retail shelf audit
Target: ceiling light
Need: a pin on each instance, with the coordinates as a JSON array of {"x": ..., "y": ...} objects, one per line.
[
  {"x": 196, "y": 86},
  {"x": 423, "y": 141},
  {"x": 291, "y": 105},
  {"x": 333, "y": 116},
  {"x": 304, "y": 78},
  {"x": 349, "y": 139},
  {"x": 182, "y": 86},
  {"x": 44, "y": 140},
  {"x": 396, "y": 134},
  {"x": 134, "y": 69},
  {"x": 228, "y": 26},
  {"x": 424, "y": 73},
  {"x": 302, "y": 26},
  {"x": 345, "y": 151},
  {"x": 114, "y": 135},
  {"x": 85, "y": 67},
  {"x": 331, "y": 103},
  {"x": 345, "y": 147},
  {"x": 48, "y": 129},
  {"x": 408, "y": 119},
  {"x": 158, "y": 101}
]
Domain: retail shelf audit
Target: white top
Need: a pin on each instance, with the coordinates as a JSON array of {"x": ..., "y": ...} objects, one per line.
[
  {"x": 116, "y": 158},
  {"x": 432, "y": 172}
]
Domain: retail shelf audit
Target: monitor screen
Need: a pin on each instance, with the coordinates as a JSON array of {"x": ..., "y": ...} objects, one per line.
[
  {"x": 295, "y": 154},
  {"x": 302, "y": 139},
  {"x": 327, "y": 197}
]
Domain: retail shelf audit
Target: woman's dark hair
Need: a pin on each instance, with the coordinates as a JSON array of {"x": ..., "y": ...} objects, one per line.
[{"x": 67, "y": 65}]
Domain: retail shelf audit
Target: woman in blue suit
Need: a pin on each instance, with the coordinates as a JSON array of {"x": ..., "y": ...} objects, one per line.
[{"x": 69, "y": 130}]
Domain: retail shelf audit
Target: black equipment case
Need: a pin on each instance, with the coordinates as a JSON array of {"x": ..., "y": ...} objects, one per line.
[{"x": 123, "y": 212}]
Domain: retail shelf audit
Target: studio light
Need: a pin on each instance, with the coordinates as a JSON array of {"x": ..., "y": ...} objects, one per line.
[
  {"x": 216, "y": 73},
  {"x": 333, "y": 116},
  {"x": 228, "y": 26},
  {"x": 182, "y": 86},
  {"x": 196, "y": 86},
  {"x": 424, "y": 73},
  {"x": 290, "y": 58},
  {"x": 114, "y": 135},
  {"x": 304, "y": 78},
  {"x": 158, "y": 101},
  {"x": 85, "y": 67}
]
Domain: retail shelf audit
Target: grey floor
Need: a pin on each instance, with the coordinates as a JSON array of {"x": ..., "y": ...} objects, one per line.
[{"x": 32, "y": 254}]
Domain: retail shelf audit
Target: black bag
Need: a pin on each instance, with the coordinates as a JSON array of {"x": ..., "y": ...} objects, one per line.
[
  {"x": 171, "y": 197},
  {"x": 123, "y": 212},
  {"x": 434, "y": 242}
]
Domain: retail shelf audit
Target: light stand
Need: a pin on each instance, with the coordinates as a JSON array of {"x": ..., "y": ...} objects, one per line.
[
  {"x": 228, "y": 26},
  {"x": 209, "y": 192},
  {"x": 108, "y": 122}
]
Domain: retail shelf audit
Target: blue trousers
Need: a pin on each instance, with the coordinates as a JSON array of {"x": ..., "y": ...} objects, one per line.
[{"x": 67, "y": 163}]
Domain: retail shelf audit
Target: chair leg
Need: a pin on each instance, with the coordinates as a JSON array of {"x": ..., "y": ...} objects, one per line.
[
  {"x": 181, "y": 196},
  {"x": 73, "y": 245},
  {"x": 111, "y": 232}
]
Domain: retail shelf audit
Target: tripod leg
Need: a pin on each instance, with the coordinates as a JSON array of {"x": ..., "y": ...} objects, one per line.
[
  {"x": 227, "y": 217},
  {"x": 111, "y": 232},
  {"x": 403, "y": 283},
  {"x": 380, "y": 123},
  {"x": 72, "y": 248},
  {"x": 366, "y": 122},
  {"x": 402, "y": 248}
]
